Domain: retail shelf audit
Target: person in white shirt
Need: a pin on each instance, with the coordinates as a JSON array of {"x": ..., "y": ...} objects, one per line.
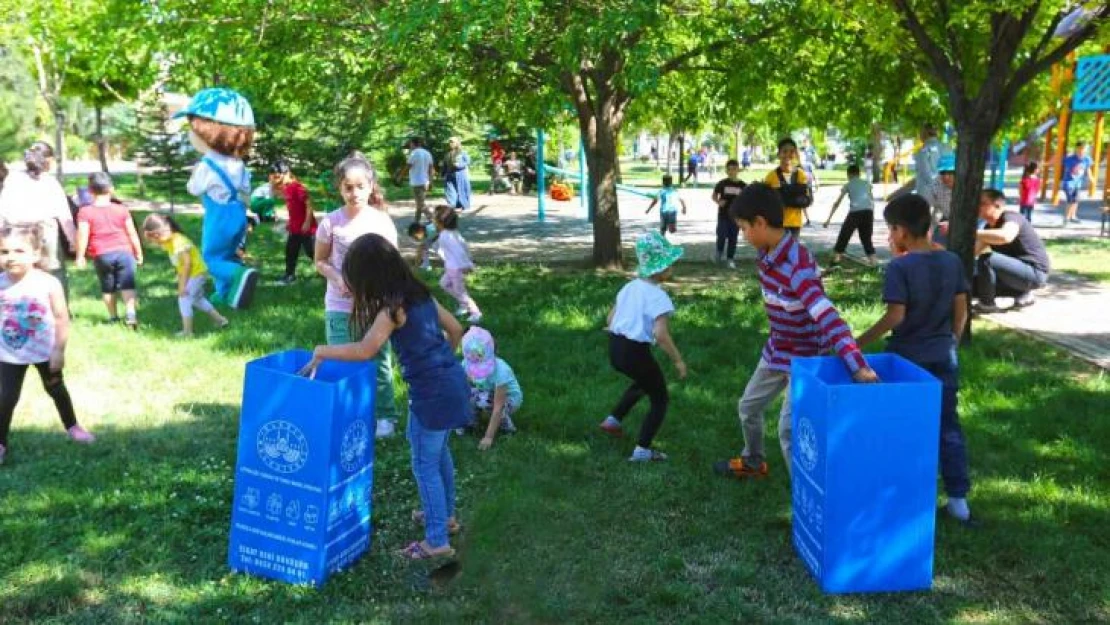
[
  {"x": 640, "y": 318},
  {"x": 421, "y": 167},
  {"x": 861, "y": 215},
  {"x": 456, "y": 262}
]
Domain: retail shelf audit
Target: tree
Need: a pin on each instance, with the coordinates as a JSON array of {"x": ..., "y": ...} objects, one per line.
[
  {"x": 158, "y": 146},
  {"x": 17, "y": 105},
  {"x": 984, "y": 53}
]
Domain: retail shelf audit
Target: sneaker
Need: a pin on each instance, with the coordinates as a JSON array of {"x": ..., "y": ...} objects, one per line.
[
  {"x": 132, "y": 324},
  {"x": 426, "y": 267},
  {"x": 80, "y": 435},
  {"x": 184, "y": 335},
  {"x": 1076, "y": 220},
  {"x": 287, "y": 280},
  {"x": 647, "y": 455},
  {"x": 612, "y": 427},
  {"x": 475, "y": 318},
  {"x": 732, "y": 264},
  {"x": 1025, "y": 301},
  {"x": 244, "y": 289},
  {"x": 459, "y": 312},
  {"x": 385, "y": 428},
  {"x": 507, "y": 426},
  {"x": 740, "y": 469},
  {"x": 988, "y": 308}
]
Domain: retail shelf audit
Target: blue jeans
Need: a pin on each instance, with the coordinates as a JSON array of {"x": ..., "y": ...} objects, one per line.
[
  {"x": 953, "y": 449},
  {"x": 337, "y": 331},
  {"x": 434, "y": 471},
  {"x": 998, "y": 274}
]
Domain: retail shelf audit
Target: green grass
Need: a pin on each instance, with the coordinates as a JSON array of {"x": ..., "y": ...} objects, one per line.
[
  {"x": 560, "y": 527},
  {"x": 1086, "y": 258}
]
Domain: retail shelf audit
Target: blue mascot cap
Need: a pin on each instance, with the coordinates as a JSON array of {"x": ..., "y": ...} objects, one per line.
[
  {"x": 946, "y": 163},
  {"x": 220, "y": 105}
]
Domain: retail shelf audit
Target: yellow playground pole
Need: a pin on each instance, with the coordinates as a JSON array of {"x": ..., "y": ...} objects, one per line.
[
  {"x": 1062, "y": 135},
  {"x": 1097, "y": 156},
  {"x": 1046, "y": 160}
]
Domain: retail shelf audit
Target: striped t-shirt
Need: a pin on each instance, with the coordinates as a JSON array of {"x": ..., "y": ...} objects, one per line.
[{"x": 803, "y": 320}]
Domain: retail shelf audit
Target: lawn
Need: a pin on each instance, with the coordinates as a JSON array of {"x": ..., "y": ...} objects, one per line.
[
  {"x": 1087, "y": 258},
  {"x": 560, "y": 528}
]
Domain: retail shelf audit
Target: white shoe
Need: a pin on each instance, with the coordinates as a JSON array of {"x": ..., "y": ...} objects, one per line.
[
  {"x": 475, "y": 318},
  {"x": 460, "y": 312},
  {"x": 732, "y": 264},
  {"x": 385, "y": 428}
]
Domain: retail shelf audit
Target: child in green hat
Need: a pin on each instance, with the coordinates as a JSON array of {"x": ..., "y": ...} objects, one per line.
[{"x": 638, "y": 319}]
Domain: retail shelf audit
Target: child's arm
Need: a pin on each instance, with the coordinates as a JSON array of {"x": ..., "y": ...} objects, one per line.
[
  {"x": 652, "y": 205},
  {"x": 663, "y": 337},
  {"x": 836, "y": 205},
  {"x": 683, "y": 202},
  {"x": 609, "y": 317},
  {"x": 61, "y": 327},
  {"x": 133, "y": 237},
  {"x": 365, "y": 349},
  {"x": 184, "y": 270},
  {"x": 959, "y": 316},
  {"x": 500, "y": 398},
  {"x": 809, "y": 290},
  {"x": 893, "y": 317},
  {"x": 82, "y": 243},
  {"x": 322, "y": 258},
  {"x": 450, "y": 325}
]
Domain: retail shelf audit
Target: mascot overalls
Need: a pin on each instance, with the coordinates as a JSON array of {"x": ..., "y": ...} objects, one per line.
[{"x": 221, "y": 125}]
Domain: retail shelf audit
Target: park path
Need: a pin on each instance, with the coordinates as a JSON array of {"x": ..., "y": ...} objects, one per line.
[{"x": 1071, "y": 312}]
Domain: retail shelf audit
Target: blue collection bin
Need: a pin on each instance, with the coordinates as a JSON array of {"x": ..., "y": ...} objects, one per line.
[
  {"x": 864, "y": 466},
  {"x": 303, "y": 477}
]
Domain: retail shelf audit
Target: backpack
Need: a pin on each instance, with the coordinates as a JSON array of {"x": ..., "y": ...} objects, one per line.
[{"x": 794, "y": 194}]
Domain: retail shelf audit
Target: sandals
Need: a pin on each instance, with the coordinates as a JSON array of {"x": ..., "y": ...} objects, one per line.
[
  {"x": 416, "y": 552},
  {"x": 453, "y": 526}
]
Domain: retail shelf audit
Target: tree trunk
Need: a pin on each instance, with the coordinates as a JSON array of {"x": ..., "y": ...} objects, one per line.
[
  {"x": 876, "y": 153},
  {"x": 601, "y": 154},
  {"x": 101, "y": 144},
  {"x": 971, "y": 161},
  {"x": 738, "y": 137},
  {"x": 681, "y": 160}
]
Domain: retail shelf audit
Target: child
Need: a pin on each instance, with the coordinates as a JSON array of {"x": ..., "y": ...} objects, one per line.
[
  {"x": 427, "y": 238},
  {"x": 456, "y": 262},
  {"x": 515, "y": 168},
  {"x": 191, "y": 271},
  {"x": 926, "y": 312},
  {"x": 668, "y": 199},
  {"x": 390, "y": 304},
  {"x": 363, "y": 212},
  {"x": 1028, "y": 188},
  {"x": 787, "y": 178},
  {"x": 36, "y": 329},
  {"x": 106, "y": 233},
  {"x": 803, "y": 323},
  {"x": 861, "y": 215},
  {"x": 493, "y": 385},
  {"x": 723, "y": 193},
  {"x": 640, "y": 318},
  {"x": 301, "y": 226}
]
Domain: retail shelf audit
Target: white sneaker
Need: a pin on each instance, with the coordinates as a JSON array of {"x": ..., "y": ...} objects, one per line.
[
  {"x": 732, "y": 264},
  {"x": 475, "y": 318},
  {"x": 385, "y": 428},
  {"x": 647, "y": 455},
  {"x": 460, "y": 312}
]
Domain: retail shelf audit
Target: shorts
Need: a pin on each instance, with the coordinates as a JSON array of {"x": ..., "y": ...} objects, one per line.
[
  {"x": 116, "y": 271},
  {"x": 1071, "y": 191},
  {"x": 668, "y": 221}
]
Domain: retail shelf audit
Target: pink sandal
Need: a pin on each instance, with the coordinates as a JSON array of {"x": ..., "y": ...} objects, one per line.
[{"x": 416, "y": 552}]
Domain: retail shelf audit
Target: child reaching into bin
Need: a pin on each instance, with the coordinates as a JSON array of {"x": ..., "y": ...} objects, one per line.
[
  {"x": 390, "y": 304},
  {"x": 803, "y": 323},
  {"x": 36, "y": 330},
  {"x": 192, "y": 273},
  {"x": 925, "y": 291},
  {"x": 494, "y": 388},
  {"x": 641, "y": 317}
]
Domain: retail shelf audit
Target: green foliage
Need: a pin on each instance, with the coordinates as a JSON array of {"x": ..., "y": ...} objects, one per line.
[
  {"x": 162, "y": 147},
  {"x": 17, "y": 106}
]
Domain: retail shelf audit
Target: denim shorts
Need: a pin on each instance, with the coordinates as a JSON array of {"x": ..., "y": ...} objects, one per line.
[
  {"x": 1071, "y": 191},
  {"x": 116, "y": 271}
]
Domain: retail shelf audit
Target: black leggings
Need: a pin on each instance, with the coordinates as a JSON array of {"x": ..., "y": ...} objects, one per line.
[
  {"x": 294, "y": 244},
  {"x": 635, "y": 360},
  {"x": 11, "y": 384},
  {"x": 865, "y": 222}
]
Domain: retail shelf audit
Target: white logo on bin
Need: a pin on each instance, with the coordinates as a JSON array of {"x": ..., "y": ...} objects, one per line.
[
  {"x": 356, "y": 442},
  {"x": 282, "y": 446},
  {"x": 807, "y": 444}
]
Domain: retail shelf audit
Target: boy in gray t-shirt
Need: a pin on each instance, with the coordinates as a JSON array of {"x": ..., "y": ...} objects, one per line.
[{"x": 861, "y": 216}]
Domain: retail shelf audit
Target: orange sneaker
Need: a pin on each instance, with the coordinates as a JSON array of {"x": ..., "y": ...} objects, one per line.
[{"x": 740, "y": 469}]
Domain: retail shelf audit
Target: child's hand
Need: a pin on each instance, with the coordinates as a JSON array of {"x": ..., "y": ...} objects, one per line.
[
  {"x": 309, "y": 370},
  {"x": 680, "y": 367},
  {"x": 866, "y": 375},
  {"x": 485, "y": 443},
  {"x": 81, "y": 263}
]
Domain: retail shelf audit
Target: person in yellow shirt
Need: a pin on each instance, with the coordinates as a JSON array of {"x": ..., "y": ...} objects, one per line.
[
  {"x": 192, "y": 273},
  {"x": 788, "y": 173}
]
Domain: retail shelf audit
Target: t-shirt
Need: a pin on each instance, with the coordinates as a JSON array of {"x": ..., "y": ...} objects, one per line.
[
  {"x": 639, "y": 304},
  {"x": 340, "y": 231},
  {"x": 28, "y": 318},
  {"x": 859, "y": 195},
  {"x": 420, "y": 160},
  {"x": 1027, "y": 246},
  {"x": 927, "y": 285},
  {"x": 179, "y": 247},
  {"x": 1027, "y": 190},
  {"x": 727, "y": 189},
  {"x": 939, "y": 196},
  {"x": 206, "y": 181},
  {"x": 1076, "y": 167},
  {"x": 107, "y": 229},
  {"x": 503, "y": 376},
  {"x": 454, "y": 251},
  {"x": 791, "y": 216},
  {"x": 925, "y": 162},
  {"x": 296, "y": 202},
  {"x": 668, "y": 200}
]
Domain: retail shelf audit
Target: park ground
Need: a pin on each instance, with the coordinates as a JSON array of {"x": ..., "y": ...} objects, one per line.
[{"x": 560, "y": 528}]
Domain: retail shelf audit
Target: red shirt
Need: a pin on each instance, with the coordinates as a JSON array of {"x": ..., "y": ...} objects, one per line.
[
  {"x": 107, "y": 229},
  {"x": 296, "y": 202},
  {"x": 1027, "y": 190}
]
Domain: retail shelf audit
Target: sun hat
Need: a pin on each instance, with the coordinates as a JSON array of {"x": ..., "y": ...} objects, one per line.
[
  {"x": 946, "y": 163},
  {"x": 655, "y": 254},
  {"x": 477, "y": 348},
  {"x": 219, "y": 105}
]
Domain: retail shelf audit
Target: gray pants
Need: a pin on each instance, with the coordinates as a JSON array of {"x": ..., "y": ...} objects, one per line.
[
  {"x": 764, "y": 385},
  {"x": 419, "y": 194}
]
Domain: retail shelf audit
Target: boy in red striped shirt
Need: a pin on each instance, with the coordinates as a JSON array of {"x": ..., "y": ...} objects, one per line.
[{"x": 803, "y": 323}]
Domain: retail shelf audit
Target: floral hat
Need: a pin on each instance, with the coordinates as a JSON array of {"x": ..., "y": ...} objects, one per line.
[
  {"x": 220, "y": 105},
  {"x": 655, "y": 254},
  {"x": 478, "y": 358}
]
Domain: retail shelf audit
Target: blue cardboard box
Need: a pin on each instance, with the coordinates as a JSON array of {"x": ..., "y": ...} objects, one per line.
[
  {"x": 304, "y": 473},
  {"x": 864, "y": 460}
]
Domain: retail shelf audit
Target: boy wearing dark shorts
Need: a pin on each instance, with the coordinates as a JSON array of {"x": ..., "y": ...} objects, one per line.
[{"x": 106, "y": 234}]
